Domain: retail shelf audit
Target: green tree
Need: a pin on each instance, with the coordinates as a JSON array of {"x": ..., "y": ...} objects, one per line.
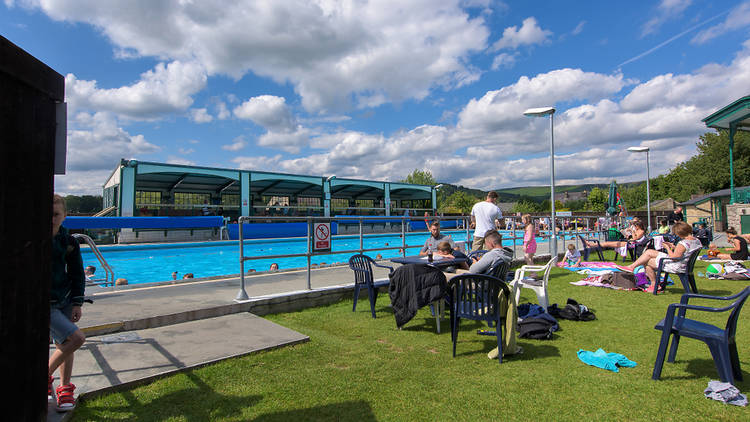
[
  {"x": 420, "y": 177},
  {"x": 597, "y": 200},
  {"x": 459, "y": 202},
  {"x": 526, "y": 206}
]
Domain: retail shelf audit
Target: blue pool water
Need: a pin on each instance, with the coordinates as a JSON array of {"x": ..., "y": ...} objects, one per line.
[{"x": 154, "y": 263}]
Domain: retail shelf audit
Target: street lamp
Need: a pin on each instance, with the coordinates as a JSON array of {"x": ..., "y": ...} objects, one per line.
[
  {"x": 541, "y": 112},
  {"x": 648, "y": 176}
]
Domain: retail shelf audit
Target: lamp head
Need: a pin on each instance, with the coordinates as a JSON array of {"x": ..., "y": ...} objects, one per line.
[
  {"x": 331, "y": 177},
  {"x": 539, "y": 112},
  {"x": 438, "y": 186},
  {"x": 638, "y": 149}
]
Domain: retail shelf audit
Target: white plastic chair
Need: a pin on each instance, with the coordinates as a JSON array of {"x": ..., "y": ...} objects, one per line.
[{"x": 539, "y": 286}]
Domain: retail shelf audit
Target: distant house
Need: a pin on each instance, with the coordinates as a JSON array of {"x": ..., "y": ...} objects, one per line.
[
  {"x": 712, "y": 206},
  {"x": 662, "y": 205},
  {"x": 571, "y": 196}
]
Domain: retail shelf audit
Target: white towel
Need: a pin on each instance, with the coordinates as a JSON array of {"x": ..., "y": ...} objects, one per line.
[
  {"x": 623, "y": 251},
  {"x": 658, "y": 241}
]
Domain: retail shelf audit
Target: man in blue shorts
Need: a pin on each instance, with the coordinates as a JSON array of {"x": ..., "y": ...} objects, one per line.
[{"x": 66, "y": 298}]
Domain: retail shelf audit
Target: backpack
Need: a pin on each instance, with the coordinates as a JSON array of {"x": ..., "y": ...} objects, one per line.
[{"x": 535, "y": 328}]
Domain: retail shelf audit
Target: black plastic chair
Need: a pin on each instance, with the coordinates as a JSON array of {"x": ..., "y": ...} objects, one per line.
[
  {"x": 363, "y": 277},
  {"x": 476, "y": 297},
  {"x": 720, "y": 342},
  {"x": 586, "y": 250},
  {"x": 687, "y": 278}
]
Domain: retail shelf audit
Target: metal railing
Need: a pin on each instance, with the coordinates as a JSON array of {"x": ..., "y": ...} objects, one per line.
[
  {"x": 109, "y": 273},
  {"x": 516, "y": 235}
]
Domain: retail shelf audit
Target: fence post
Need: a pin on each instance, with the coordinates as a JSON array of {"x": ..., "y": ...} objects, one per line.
[{"x": 242, "y": 294}]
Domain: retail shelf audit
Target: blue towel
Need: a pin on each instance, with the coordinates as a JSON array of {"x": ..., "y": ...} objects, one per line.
[{"x": 604, "y": 360}]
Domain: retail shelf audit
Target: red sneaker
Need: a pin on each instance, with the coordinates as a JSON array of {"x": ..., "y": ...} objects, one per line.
[
  {"x": 65, "y": 399},
  {"x": 50, "y": 392}
]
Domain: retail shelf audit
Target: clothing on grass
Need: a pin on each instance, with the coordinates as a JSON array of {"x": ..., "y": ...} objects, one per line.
[
  {"x": 604, "y": 360},
  {"x": 725, "y": 392}
]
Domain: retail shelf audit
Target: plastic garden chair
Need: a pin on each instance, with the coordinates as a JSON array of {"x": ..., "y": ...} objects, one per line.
[
  {"x": 687, "y": 278},
  {"x": 476, "y": 297},
  {"x": 363, "y": 277},
  {"x": 586, "y": 250},
  {"x": 720, "y": 342},
  {"x": 522, "y": 279}
]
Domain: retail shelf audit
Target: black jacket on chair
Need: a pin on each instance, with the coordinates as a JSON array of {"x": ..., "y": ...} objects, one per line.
[{"x": 412, "y": 287}]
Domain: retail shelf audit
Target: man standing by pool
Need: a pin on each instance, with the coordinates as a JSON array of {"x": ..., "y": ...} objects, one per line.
[
  {"x": 483, "y": 217},
  {"x": 432, "y": 242}
]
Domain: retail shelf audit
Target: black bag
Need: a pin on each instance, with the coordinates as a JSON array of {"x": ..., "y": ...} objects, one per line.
[
  {"x": 535, "y": 328},
  {"x": 572, "y": 311}
]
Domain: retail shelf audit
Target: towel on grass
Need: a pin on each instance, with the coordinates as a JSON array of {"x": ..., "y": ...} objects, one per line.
[{"x": 604, "y": 360}]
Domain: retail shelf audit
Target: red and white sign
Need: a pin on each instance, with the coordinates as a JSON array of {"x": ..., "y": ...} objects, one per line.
[{"x": 322, "y": 236}]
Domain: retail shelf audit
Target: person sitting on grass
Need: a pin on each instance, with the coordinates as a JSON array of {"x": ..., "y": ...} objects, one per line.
[
  {"x": 66, "y": 298},
  {"x": 739, "y": 251},
  {"x": 572, "y": 257},
  {"x": 651, "y": 258}
]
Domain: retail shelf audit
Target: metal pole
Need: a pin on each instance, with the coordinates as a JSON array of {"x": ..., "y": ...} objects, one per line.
[
  {"x": 553, "y": 240},
  {"x": 242, "y": 294},
  {"x": 648, "y": 192},
  {"x": 403, "y": 235},
  {"x": 309, "y": 250}
]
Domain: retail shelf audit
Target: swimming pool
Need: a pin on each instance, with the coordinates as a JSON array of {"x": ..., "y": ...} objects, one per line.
[{"x": 154, "y": 263}]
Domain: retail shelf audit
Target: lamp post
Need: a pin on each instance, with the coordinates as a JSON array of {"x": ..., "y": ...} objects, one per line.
[
  {"x": 648, "y": 177},
  {"x": 541, "y": 112}
]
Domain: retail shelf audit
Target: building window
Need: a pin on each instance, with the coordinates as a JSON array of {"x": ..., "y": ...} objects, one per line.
[
  {"x": 191, "y": 198},
  {"x": 230, "y": 199},
  {"x": 147, "y": 198}
]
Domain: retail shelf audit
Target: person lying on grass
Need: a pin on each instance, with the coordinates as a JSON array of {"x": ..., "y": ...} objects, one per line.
[{"x": 651, "y": 258}]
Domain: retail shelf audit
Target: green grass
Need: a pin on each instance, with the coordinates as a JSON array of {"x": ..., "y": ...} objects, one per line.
[{"x": 364, "y": 369}]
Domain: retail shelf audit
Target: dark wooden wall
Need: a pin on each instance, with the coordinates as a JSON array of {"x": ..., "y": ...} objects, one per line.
[{"x": 28, "y": 93}]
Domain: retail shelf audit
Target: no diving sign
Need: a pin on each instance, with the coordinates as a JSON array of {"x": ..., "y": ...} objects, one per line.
[{"x": 321, "y": 237}]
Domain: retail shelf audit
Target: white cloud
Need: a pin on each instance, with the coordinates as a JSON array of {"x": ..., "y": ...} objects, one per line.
[
  {"x": 579, "y": 28},
  {"x": 96, "y": 142},
  {"x": 505, "y": 60},
  {"x": 738, "y": 18},
  {"x": 237, "y": 144},
  {"x": 163, "y": 90},
  {"x": 200, "y": 115},
  {"x": 331, "y": 51},
  {"x": 667, "y": 9},
  {"x": 272, "y": 113},
  {"x": 530, "y": 33}
]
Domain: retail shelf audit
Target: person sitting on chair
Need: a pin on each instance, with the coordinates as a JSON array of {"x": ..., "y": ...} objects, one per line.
[
  {"x": 650, "y": 258},
  {"x": 739, "y": 252},
  {"x": 637, "y": 235},
  {"x": 431, "y": 244},
  {"x": 493, "y": 241}
]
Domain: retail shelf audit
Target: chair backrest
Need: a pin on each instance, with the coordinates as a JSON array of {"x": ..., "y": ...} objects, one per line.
[
  {"x": 362, "y": 266},
  {"x": 500, "y": 270},
  {"x": 475, "y": 296},
  {"x": 548, "y": 268},
  {"x": 731, "y": 328},
  {"x": 691, "y": 261}
]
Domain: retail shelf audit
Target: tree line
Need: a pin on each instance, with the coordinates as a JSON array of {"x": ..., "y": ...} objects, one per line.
[{"x": 705, "y": 172}]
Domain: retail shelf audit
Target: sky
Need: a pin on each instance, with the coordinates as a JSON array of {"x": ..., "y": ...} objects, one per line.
[{"x": 376, "y": 89}]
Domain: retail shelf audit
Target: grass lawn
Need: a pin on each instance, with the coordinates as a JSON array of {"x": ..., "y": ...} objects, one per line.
[{"x": 364, "y": 369}]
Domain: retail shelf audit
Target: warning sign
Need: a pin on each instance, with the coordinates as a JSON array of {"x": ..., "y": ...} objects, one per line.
[{"x": 322, "y": 237}]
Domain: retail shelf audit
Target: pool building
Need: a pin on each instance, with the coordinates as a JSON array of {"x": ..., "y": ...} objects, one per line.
[{"x": 139, "y": 188}]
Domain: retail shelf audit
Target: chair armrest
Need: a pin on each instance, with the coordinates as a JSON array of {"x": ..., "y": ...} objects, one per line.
[
  {"x": 674, "y": 306},
  {"x": 390, "y": 269},
  {"x": 687, "y": 296},
  {"x": 533, "y": 268}
]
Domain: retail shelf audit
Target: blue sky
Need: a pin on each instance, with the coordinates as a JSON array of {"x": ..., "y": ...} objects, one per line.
[{"x": 376, "y": 89}]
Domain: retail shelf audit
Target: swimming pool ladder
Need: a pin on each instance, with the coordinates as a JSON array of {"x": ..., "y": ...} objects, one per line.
[{"x": 109, "y": 273}]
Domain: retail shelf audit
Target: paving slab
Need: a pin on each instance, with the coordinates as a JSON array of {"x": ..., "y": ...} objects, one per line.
[{"x": 126, "y": 359}]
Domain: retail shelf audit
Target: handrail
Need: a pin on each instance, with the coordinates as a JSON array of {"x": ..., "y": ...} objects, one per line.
[
  {"x": 109, "y": 278},
  {"x": 242, "y": 294}
]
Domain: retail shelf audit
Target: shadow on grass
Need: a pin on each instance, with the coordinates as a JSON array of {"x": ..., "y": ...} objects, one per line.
[{"x": 348, "y": 411}]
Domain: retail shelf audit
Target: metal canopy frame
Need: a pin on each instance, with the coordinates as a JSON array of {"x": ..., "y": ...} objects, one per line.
[{"x": 733, "y": 117}]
